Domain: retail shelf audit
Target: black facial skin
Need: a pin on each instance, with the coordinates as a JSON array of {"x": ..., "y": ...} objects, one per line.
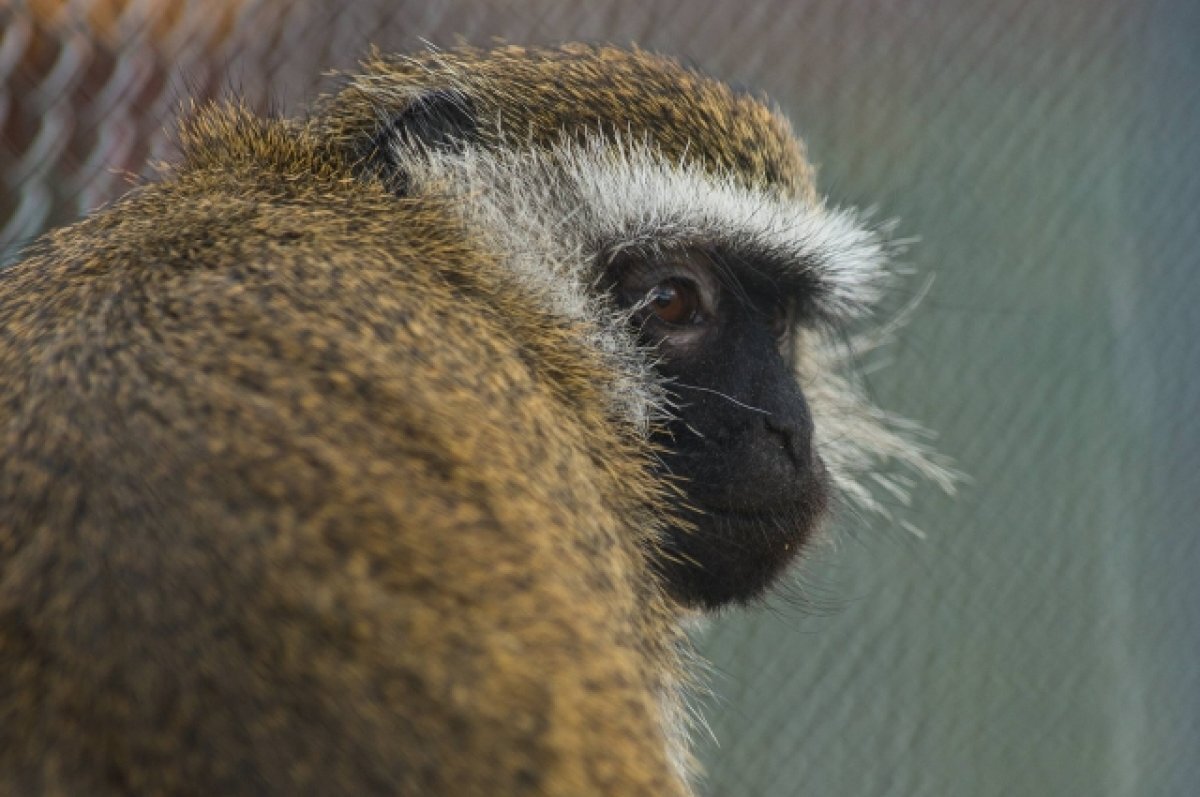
[{"x": 741, "y": 437}]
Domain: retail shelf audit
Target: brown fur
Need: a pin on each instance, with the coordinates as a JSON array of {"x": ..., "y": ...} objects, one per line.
[
  {"x": 534, "y": 96},
  {"x": 299, "y": 493}
]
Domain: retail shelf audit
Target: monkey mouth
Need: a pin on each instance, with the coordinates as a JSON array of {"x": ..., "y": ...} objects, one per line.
[
  {"x": 796, "y": 515},
  {"x": 784, "y": 528},
  {"x": 800, "y": 509},
  {"x": 718, "y": 555}
]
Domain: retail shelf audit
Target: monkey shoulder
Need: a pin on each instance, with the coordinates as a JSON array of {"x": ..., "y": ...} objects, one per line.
[{"x": 262, "y": 418}]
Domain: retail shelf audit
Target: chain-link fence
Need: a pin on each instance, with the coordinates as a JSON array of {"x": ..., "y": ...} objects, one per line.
[{"x": 1044, "y": 637}]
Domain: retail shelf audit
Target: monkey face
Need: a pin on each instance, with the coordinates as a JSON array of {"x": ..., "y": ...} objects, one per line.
[
  {"x": 740, "y": 435},
  {"x": 675, "y": 224}
]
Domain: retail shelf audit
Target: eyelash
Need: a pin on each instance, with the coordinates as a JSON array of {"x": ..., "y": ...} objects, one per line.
[{"x": 675, "y": 301}]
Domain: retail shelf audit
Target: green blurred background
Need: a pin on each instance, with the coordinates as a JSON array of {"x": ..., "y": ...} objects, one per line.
[{"x": 1041, "y": 635}]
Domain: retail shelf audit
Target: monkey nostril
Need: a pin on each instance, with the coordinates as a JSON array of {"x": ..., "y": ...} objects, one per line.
[{"x": 788, "y": 434}]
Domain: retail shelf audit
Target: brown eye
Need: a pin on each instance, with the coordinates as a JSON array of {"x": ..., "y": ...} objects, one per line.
[
  {"x": 672, "y": 298},
  {"x": 675, "y": 301}
]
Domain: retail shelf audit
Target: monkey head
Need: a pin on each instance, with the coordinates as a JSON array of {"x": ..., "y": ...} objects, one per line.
[{"x": 675, "y": 223}]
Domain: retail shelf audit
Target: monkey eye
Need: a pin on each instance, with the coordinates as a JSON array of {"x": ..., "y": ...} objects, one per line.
[
  {"x": 675, "y": 301},
  {"x": 677, "y": 293}
]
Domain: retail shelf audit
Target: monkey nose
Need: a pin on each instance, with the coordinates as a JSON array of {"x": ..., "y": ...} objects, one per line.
[{"x": 793, "y": 440}]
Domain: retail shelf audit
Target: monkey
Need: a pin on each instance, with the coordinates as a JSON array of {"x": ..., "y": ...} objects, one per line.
[{"x": 386, "y": 449}]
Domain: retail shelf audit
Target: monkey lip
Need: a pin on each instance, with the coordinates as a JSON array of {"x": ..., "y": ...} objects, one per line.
[
  {"x": 791, "y": 521},
  {"x": 785, "y": 521},
  {"x": 803, "y": 506},
  {"x": 811, "y": 497},
  {"x": 780, "y": 494}
]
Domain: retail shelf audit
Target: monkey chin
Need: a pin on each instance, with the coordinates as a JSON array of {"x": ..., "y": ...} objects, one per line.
[{"x": 715, "y": 556}]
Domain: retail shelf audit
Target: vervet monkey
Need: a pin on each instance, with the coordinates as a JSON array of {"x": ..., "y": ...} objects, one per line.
[{"x": 383, "y": 450}]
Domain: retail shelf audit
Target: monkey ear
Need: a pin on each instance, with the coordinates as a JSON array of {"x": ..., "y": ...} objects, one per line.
[{"x": 436, "y": 120}]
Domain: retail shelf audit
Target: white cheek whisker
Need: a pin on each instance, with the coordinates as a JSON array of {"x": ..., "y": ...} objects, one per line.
[{"x": 725, "y": 396}]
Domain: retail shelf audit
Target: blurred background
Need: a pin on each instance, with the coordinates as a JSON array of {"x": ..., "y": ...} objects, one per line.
[{"x": 1039, "y": 632}]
